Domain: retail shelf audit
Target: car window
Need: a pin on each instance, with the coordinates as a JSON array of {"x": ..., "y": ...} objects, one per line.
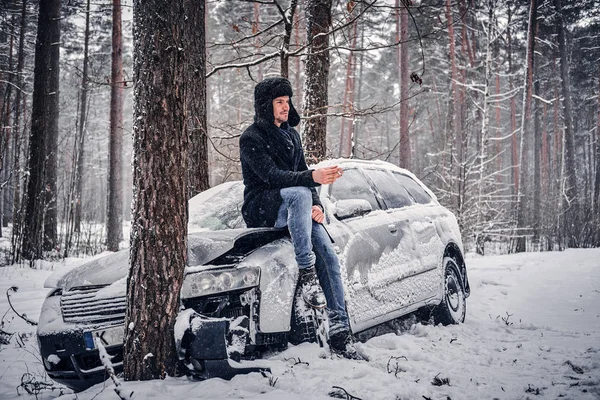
[
  {"x": 217, "y": 208},
  {"x": 393, "y": 193},
  {"x": 415, "y": 190},
  {"x": 353, "y": 185}
]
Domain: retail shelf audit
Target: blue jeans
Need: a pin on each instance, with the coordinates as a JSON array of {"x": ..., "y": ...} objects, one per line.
[{"x": 312, "y": 245}]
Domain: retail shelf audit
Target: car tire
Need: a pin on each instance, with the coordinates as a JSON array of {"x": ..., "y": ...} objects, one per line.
[
  {"x": 304, "y": 324},
  {"x": 453, "y": 308}
]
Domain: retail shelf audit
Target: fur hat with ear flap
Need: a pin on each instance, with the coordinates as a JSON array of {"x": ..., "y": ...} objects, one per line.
[{"x": 264, "y": 94}]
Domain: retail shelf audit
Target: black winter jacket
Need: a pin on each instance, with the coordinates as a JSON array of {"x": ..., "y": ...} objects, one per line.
[{"x": 270, "y": 162}]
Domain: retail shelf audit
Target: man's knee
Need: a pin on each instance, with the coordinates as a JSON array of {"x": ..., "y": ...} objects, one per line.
[{"x": 297, "y": 193}]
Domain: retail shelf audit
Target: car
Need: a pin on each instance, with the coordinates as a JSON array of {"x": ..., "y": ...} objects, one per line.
[{"x": 400, "y": 252}]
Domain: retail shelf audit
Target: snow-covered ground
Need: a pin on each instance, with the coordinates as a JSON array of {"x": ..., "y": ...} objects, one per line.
[{"x": 532, "y": 331}]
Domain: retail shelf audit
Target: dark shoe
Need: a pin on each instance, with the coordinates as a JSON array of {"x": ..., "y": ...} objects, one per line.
[
  {"x": 342, "y": 343},
  {"x": 309, "y": 288}
]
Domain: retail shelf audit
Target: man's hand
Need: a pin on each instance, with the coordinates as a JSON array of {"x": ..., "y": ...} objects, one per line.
[
  {"x": 317, "y": 214},
  {"x": 327, "y": 175}
]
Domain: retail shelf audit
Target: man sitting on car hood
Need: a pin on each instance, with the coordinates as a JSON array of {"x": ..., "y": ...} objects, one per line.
[{"x": 280, "y": 191}]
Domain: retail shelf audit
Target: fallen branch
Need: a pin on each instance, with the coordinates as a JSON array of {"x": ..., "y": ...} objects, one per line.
[
  {"x": 105, "y": 358},
  {"x": 22, "y": 316},
  {"x": 33, "y": 386}
]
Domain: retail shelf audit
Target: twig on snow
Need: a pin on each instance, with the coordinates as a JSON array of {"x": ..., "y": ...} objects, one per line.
[
  {"x": 22, "y": 316},
  {"x": 341, "y": 393},
  {"x": 437, "y": 381}
]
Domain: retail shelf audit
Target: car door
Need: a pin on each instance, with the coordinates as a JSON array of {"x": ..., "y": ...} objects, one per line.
[{"x": 366, "y": 244}]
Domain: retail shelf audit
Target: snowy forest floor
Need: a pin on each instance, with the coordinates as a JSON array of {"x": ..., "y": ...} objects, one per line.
[{"x": 532, "y": 332}]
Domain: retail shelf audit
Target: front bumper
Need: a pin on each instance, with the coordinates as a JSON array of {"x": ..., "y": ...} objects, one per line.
[{"x": 70, "y": 362}]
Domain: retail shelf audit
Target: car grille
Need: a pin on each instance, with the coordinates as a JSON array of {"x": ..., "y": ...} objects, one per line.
[{"x": 84, "y": 306}]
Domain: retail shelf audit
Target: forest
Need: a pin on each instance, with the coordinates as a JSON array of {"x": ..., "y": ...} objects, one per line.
[{"x": 493, "y": 104}]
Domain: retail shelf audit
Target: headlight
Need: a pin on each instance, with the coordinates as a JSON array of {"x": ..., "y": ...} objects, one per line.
[
  {"x": 55, "y": 292},
  {"x": 210, "y": 282}
]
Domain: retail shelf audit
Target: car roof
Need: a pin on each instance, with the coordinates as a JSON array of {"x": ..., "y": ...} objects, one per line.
[{"x": 378, "y": 164}]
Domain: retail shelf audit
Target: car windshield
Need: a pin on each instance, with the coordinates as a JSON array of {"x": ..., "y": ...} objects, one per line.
[{"x": 217, "y": 208}]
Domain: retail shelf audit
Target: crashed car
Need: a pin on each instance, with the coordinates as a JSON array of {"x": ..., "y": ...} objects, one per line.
[{"x": 400, "y": 251}]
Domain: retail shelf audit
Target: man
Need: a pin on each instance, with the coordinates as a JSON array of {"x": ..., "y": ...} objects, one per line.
[{"x": 280, "y": 191}]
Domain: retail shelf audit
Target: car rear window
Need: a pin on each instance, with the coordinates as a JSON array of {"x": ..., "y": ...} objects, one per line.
[
  {"x": 415, "y": 190},
  {"x": 393, "y": 193},
  {"x": 353, "y": 186}
]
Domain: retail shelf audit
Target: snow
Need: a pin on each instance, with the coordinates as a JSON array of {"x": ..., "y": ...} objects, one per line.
[{"x": 533, "y": 326}]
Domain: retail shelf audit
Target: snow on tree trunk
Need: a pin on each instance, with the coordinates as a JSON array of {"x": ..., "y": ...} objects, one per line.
[
  {"x": 158, "y": 240},
  {"x": 316, "y": 72},
  {"x": 39, "y": 231},
  {"x": 114, "y": 214}
]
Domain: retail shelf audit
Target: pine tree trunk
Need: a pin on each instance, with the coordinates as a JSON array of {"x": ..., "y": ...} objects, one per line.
[
  {"x": 455, "y": 121},
  {"x": 572, "y": 217},
  {"x": 284, "y": 57},
  {"x": 17, "y": 206},
  {"x": 195, "y": 102},
  {"x": 318, "y": 21},
  {"x": 525, "y": 187},
  {"x": 5, "y": 127},
  {"x": 596, "y": 199},
  {"x": 537, "y": 151},
  {"x": 114, "y": 212},
  {"x": 347, "y": 120},
  {"x": 514, "y": 154},
  {"x": 39, "y": 231},
  {"x": 82, "y": 124},
  {"x": 160, "y": 172},
  {"x": 405, "y": 156}
]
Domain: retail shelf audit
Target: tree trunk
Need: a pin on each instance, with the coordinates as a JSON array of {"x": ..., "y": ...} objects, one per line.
[
  {"x": 114, "y": 211},
  {"x": 40, "y": 214},
  {"x": 195, "y": 102},
  {"x": 596, "y": 199},
  {"x": 454, "y": 120},
  {"x": 160, "y": 172},
  {"x": 572, "y": 217},
  {"x": 17, "y": 206},
  {"x": 284, "y": 57},
  {"x": 537, "y": 151},
  {"x": 82, "y": 124},
  {"x": 318, "y": 21},
  {"x": 525, "y": 189},
  {"x": 514, "y": 154},
  {"x": 404, "y": 147},
  {"x": 347, "y": 120},
  {"x": 5, "y": 127}
]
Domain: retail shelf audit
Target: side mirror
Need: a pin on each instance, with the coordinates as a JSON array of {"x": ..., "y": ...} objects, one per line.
[{"x": 351, "y": 208}]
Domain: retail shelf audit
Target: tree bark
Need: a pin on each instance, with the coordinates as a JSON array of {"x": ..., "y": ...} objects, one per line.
[
  {"x": 114, "y": 212},
  {"x": 596, "y": 199},
  {"x": 160, "y": 173},
  {"x": 195, "y": 102},
  {"x": 40, "y": 214},
  {"x": 572, "y": 216},
  {"x": 316, "y": 72}
]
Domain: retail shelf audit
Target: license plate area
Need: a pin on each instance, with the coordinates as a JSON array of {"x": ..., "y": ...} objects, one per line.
[{"x": 108, "y": 337}]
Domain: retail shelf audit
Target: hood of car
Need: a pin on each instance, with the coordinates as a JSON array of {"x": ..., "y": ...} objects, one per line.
[{"x": 203, "y": 247}]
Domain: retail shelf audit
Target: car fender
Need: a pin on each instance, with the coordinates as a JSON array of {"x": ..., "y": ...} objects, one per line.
[{"x": 278, "y": 277}]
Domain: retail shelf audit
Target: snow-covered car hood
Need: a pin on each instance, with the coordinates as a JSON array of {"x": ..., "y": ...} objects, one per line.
[{"x": 203, "y": 247}]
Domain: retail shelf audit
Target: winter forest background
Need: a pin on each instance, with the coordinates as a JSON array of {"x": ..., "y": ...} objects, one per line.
[{"x": 492, "y": 104}]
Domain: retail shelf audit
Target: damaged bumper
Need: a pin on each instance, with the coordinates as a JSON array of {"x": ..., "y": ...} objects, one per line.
[{"x": 213, "y": 347}]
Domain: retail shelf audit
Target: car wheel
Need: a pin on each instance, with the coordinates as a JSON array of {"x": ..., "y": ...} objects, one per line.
[
  {"x": 453, "y": 308},
  {"x": 305, "y": 323}
]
